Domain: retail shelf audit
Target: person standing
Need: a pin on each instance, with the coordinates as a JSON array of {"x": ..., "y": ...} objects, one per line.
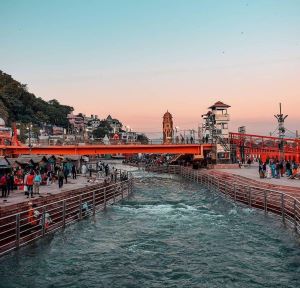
[
  {"x": 8, "y": 184},
  {"x": 277, "y": 170},
  {"x": 66, "y": 173},
  {"x": 83, "y": 170},
  {"x": 106, "y": 168},
  {"x": 116, "y": 175},
  {"x": 281, "y": 167},
  {"x": 264, "y": 168},
  {"x": 49, "y": 177},
  {"x": 269, "y": 171},
  {"x": 288, "y": 168},
  {"x": 37, "y": 183},
  {"x": 24, "y": 182},
  {"x": 90, "y": 170},
  {"x": 3, "y": 182},
  {"x": 29, "y": 184},
  {"x": 60, "y": 178},
  {"x": 74, "y": 172},
  {"x": 11, "y": 182}
]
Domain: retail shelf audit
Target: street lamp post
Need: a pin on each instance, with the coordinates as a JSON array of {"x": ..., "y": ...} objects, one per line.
[
  {"x": 29, "y": 134},
  {"x": 176, "y": 134}
]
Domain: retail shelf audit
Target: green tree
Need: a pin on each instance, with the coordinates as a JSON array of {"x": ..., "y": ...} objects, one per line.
[
  {"x": 142, "y": 138},
  {"x": 103, "y": 129},
  {"x": 17, "y": 104}
]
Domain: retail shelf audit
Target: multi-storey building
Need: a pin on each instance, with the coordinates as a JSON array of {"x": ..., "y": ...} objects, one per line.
[
  {"x": 215, "y": 129},
  {"x": 168, "y": 130}
]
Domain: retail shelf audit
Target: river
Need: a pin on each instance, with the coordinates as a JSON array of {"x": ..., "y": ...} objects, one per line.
[{"x": 169, "y": 233}]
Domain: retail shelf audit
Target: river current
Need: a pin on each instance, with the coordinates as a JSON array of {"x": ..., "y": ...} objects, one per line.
[{"x": 169, "y": 233}]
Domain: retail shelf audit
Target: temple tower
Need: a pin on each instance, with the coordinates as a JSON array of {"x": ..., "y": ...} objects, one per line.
[{"x": 168, "y": 128}]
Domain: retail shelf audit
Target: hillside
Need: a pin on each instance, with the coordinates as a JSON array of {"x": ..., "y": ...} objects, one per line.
[{"x": 19, "y": 105}]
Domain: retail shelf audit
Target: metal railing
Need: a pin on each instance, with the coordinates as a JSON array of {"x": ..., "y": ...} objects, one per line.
[
  {"x": 271, "y": 201},
  {"x": 19, "y": 229}
]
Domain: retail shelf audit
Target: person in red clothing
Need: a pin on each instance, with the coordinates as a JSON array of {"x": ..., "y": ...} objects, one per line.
[
  {"x": 29, "y": 184},
  {"x": 3, "y": 182}
]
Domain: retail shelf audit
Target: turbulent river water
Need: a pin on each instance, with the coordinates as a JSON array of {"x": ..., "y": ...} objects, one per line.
[{"x": 169, "y": 233}]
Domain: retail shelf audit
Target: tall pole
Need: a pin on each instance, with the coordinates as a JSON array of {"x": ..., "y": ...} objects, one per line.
[
  {"x": 281, "y": 131},
  {"x": 29, "y": 134}
]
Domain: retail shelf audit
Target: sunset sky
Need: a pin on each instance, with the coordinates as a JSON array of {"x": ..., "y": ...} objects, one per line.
[{"x": 135, "y": 59}]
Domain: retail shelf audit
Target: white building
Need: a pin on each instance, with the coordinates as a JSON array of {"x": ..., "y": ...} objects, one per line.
[{"x": 216, "y": 129}]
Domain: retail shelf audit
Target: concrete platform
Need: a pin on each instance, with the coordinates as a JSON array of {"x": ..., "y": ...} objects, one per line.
[
  {"x": 252, "y": 173},
  {"x": 18, "y": 196}
]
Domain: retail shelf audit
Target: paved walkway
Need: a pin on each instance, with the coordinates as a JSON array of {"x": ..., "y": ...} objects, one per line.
[
  {"x": 252, "y": 173},
  {"x": 18, "y": 196}
]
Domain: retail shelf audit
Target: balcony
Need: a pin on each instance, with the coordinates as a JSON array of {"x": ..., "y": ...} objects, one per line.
[{"x": 222, "y": 117}]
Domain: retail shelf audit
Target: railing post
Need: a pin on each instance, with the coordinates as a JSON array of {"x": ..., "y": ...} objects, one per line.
[
  {"x": 265, "y": 202},
  {"x": 94, "y": 202},
  {"x": 295, "y": 216},
  {"x": 282, "y": 207},
  {"x": 249, "y": 191},
  {"x": 234, "y": 191},
  {"x": 80, "y": 207},
  {"x": 18, "y": 230},
  {"x": 122, "y": 190},
  {"x": 129, "y": 187},
  {"x": 64, "y": 214},
  {"x": 114, "y": 194},
  {"x": 104, "y": 197},
  {"x": 197, "y": 177},
  {"x": 44, "y": 221}
]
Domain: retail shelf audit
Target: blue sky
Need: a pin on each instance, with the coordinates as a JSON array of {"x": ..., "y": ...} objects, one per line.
[{"x": 136, "y": 59}]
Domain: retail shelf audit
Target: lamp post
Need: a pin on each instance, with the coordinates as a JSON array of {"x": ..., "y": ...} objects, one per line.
[
  {"x": 176, "y": 135},
  {"x": 127, "y": 129},
  {"x": 29, "y": 134}
]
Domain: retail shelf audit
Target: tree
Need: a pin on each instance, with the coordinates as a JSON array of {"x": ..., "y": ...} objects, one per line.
[
  {"x": 17, "y": 104},
  {"x": 103, "y": 129},
  {"x": 142, "y": 138}
]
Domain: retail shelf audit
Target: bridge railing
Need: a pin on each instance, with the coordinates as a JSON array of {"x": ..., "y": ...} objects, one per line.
[
  {"x": 269, "y": 200},
  {"x": 19, "y": 229}
]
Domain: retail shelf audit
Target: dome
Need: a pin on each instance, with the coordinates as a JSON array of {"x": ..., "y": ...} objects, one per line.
[
  {"x": 2, "y": 122},
  {"x": 167, "y": 115}
]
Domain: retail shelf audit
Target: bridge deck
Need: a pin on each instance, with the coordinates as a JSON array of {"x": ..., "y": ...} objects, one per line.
[{"x": 108, "y": 149}]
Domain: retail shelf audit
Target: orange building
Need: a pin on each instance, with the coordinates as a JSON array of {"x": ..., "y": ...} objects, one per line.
[{"x": 168, "y": 128}]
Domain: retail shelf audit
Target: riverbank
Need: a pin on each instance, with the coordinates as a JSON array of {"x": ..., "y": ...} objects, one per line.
[
  {"x": 24, "y": 222},
  {"x": 17, "y": 199},
  {"x": 249, "y": 176}
]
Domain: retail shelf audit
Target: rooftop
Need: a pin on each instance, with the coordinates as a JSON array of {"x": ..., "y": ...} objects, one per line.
[{"x": 219, "y": 104}]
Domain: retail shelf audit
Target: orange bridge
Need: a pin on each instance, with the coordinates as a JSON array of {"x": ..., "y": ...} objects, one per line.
[{"x": 107, "y": 149}]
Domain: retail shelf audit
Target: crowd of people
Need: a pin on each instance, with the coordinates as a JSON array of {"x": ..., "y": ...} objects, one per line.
[
  {"x": 276, "y": 169},
  {"x": 36, "y": 219},
  {"x": 7, "y": 184},
  {"x": 29, "y": 180}
]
